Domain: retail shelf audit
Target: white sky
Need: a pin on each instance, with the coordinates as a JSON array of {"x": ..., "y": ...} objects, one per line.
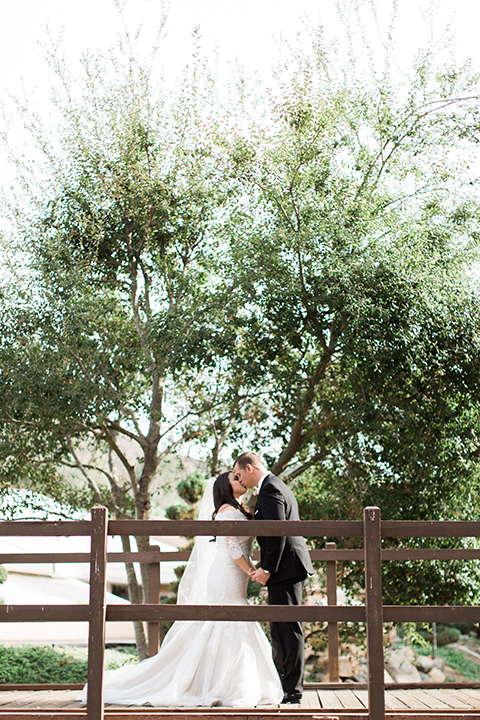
[
  {"x": 245, "y": 30},
  {"x": 248, "y": 31}
]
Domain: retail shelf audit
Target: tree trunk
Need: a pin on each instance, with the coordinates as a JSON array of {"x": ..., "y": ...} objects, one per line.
[{"x": 135, "y": 596}]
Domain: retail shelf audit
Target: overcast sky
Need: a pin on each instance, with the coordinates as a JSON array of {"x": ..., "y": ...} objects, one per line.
[{"x": 246, "y": 29}]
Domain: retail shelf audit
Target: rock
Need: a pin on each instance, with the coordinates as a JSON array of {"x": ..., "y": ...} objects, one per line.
[
  {"x": 361, "y": 677},
  {"x": 436, "y": 675},
  {"x": 424, "y": 663},
  {"x": 400, "y": 666},
  {"x": 439, "y": 663},
  {"x": 387, "y": 677},
  {"x": 347, "y": 666},
  {"x": 408, "y": 673}
]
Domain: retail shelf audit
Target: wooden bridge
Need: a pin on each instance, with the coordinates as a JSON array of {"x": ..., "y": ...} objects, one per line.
[{"x": 347, "y": 701}]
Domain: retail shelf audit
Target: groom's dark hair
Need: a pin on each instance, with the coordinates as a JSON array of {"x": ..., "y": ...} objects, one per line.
[{"x": 248, "y": 458}]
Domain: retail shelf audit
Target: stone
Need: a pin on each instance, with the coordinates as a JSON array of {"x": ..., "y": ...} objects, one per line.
[
  {"x": 424, "y": 663},
  {"x": 361, "y": 677},
  {"x": 399, "y": 664},
  {"x": 387, "y": 677},
  {"x": 347, "y": 666},
  {"x": 436, "y": 675}
]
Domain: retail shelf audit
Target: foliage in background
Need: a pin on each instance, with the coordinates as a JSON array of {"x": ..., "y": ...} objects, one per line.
[
  {"x": 456, "y": 660},
  {"x": 190, "y": 490},
  {"x": 289, "y": 270},
  {"x": 43, "y": 663}
]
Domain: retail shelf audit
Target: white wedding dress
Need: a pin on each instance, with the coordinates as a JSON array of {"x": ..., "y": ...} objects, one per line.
[{"x": 206, "y": 663}]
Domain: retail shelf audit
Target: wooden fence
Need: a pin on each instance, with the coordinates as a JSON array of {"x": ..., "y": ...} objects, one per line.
[{"x": 373, "y": 613}]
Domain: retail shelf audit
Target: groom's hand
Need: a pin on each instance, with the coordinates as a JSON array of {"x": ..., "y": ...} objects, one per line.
[{"x": 260, "y": 576}]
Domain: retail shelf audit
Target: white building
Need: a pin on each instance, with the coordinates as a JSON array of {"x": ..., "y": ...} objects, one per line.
[{"x": 64, "y": 584}]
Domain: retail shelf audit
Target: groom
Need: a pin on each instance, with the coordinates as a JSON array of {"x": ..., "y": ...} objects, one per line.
[{"x": 284, "y": 565}]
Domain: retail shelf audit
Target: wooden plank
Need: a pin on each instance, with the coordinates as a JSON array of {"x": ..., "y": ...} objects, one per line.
[
  {"x": 13, "y": 697},
  {"x": 37, "y": 528},
  {"x": 451, "y": 699},
  {"x": 362, "y": 695},
  {"x": 411, "y": 700},
  {"x": 96, "y": 632},
  {"x": 422, "y": 696},
  {"x": 430, "y": 554},
  {"x": 38, "y": 698},
  {"x": 145, "y": 714},
  {"x": 395, "y": 554},
  {"x": 329, "y": 700},
  {"x": 65, "y": 699},
  {"x": 44, "y": 613},
  {"x": 471, "y": 693},
  {"x": 462, "y": 694},
  {"x": 338, "y": 555},
  {"x": 394, "y": 703},
  {"x": 430, "y": 613},
  {"x": 332, "y": 630},
  {"x": 146, "y": 556},
  {"x": 430, "y": 528},
  {"x": 153, "y": 599},
  {"x": 40, "y": 686},
  {"x": 259, "y": 528},
  {"x": 310, "y": 700},
  {"x": 348, "y": 699},
  {"x": 373, "y": 608},
  {"x": 141, "y": 556},
  {"x": 281, "y": 613}
]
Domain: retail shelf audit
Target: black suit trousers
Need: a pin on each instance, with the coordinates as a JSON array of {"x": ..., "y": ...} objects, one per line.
[{"x": 287, "y": 637}]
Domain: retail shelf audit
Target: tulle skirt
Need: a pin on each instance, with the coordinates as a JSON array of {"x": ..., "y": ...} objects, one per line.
[{"x": 201, "y": 664}]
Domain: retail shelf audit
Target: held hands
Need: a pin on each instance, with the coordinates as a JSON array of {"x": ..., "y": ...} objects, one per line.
[{"x": 259, "y": 575}]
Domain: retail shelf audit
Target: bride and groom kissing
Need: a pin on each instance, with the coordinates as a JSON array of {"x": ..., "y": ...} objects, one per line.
[{"x": 228, "y": 663}]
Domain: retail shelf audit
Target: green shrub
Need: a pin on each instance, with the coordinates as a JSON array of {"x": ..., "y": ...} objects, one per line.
[
  {"x": 175, "y": 512},
  {"x": 37, "y": 664},
  {"x": 192, "y": 488},
  {"x": 446, "y": 634},
  {"x": 43, "y": 663}
]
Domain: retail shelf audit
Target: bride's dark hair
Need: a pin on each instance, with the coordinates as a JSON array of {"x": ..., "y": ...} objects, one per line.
[{"x": 223, "y": 495}]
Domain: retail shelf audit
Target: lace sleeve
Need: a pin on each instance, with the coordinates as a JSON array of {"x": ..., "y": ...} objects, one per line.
[{"x": 232, "y": 543}]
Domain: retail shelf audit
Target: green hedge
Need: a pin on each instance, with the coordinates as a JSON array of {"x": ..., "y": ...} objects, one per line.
[
  {"x": 43, "y": 663},
  {"x": 32, "y": 664}
]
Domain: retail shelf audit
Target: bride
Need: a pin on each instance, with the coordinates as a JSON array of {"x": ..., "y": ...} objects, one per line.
[{"x": 207, "y": 663}]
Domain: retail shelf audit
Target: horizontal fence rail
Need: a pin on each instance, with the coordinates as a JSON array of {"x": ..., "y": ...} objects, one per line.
[
  {"x": 373, "y": 613},
  {"x": 152, "y": 557}
]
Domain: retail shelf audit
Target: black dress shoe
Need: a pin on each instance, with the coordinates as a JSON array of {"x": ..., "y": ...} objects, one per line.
[{"x": 294, "y": 697}]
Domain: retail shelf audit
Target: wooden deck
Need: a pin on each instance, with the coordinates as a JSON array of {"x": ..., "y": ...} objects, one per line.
[{"x": 345, "y": 704}]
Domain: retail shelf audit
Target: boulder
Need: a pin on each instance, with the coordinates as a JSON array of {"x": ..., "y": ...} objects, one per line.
[
  {"x": 436, "y": 675},
  {"x": 424, "y": 663},
  {"x": 399, "y": 664},
  {"x": 347, "y": 666}
]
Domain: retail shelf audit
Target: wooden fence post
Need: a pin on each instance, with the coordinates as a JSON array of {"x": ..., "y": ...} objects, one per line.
[
  {"x": 154, "y": 599},
  {"x": 97, "y": 612},
  {"x": 333, "y": 669},
  {"x": 374, "y": 613}
]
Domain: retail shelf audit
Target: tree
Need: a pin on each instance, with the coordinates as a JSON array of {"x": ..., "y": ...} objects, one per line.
[
  {"x": 363, "y": 312},
  {"x": 299, "y": 282},
  {"x": 117, "y": 307}
]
